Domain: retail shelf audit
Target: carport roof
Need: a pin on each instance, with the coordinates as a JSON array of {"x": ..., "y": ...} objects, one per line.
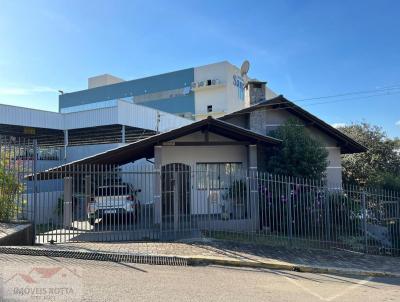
[{"x": 145, "y": 148}]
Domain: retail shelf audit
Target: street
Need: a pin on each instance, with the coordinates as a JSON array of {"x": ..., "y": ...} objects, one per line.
[{"x": 106, "y": 281}]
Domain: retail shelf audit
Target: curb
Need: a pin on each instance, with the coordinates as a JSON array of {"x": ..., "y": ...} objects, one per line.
[
  {"x": 187, "y": 261},
  {"x": 193, "y": 261}
]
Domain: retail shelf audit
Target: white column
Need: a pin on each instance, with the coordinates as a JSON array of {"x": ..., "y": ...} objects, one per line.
[
  {"x": 253, "y": 187},
  {"x": 67, "y": 213}
]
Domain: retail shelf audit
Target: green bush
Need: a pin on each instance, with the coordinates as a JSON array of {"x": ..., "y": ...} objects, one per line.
[
  {"x": 10, "y": 188},
  {"x": 299, "y": 154}
]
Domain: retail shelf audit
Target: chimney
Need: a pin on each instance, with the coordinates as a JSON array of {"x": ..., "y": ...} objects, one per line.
[{"x": 256, "y": 91}]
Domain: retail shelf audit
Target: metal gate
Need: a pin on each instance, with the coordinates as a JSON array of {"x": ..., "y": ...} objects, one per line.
[{"x": 97, "y": 203}]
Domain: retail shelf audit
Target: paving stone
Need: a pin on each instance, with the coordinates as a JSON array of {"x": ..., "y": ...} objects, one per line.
[{"x": 242, "y": 251}]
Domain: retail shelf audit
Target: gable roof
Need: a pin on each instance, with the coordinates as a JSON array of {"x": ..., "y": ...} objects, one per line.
[
  {"x": 346, "y": 143},
  {"x": 145, "y": 148}
]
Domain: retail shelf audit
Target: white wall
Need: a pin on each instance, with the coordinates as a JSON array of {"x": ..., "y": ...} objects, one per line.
[
  {"x": 191, "y": 155},
  {"x": 78, "y": 152},
  {"x": 13, "y": 115},
  {"x": 263, "y": 121},
  {"x": 224, "y": 98},
  {"x": 334, "y": 170},
  {"x": 103, "y": 80},
  {"x": 146, "y": 117},
  {"x": 124, "y": 114}
]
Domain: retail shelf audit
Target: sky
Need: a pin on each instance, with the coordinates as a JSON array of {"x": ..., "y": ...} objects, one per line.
[{"x": 309, "y": 51}]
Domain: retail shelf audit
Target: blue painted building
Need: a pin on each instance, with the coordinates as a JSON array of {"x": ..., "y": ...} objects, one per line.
[
  {"x": 192, "y": 93},
  {"x": 168, "y": 92}
]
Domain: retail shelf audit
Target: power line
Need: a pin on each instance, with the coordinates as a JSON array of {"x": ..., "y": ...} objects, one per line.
[
  {"x": 329, "y": 102},
  {"x": 387, "y": 88}
]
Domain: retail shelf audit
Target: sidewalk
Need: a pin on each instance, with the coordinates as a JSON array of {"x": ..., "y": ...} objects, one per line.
[{"x": 249, "y": 255}]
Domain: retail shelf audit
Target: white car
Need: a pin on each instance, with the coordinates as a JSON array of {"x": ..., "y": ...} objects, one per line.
[{"x": 117, "y": 202}]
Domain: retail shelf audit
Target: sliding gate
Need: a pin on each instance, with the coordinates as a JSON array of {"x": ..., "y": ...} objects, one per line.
[{"x": 96, "y": 203}]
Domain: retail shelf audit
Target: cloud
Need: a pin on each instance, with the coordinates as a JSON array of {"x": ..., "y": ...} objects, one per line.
[
  {"x": 398, "y": 123},
  {"x": 338, "y": 125},
  {"x": 16, "y": 91}
]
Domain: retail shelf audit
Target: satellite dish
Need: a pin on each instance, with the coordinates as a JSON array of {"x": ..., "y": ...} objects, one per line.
[{"x": 245, "y": 68}]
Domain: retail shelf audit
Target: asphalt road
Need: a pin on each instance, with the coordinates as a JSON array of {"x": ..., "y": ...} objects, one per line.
[{"x": 105, "y": 281}]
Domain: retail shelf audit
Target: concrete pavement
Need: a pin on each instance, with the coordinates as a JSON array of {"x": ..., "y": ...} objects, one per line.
[{"x": 107, "y": 281}]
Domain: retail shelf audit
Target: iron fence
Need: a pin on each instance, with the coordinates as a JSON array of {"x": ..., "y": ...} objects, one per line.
[{"x": 219, "y": 200}]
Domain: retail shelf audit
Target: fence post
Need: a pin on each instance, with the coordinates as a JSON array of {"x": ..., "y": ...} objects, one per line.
[
  {"x": 35, "y": 191},
  {"x": 67, "y": 213},
  {"x": 364, "y": 208},
  {"x": 158, "y": 178},
  {"x": 177, "y": 185},
  {"x": 252, "y": 190},
  {"x": 327, "y": 207},
  {"x": 88, "y": 192},
  {"x": 289, "y": 208}
]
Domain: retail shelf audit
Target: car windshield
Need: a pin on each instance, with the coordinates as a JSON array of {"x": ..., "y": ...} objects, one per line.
[{"x": 112, "y": 191}]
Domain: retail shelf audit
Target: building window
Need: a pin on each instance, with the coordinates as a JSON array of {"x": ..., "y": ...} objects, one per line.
[
  {"x": 216, "y": 176},
  {"x": 209, "y": 108}
]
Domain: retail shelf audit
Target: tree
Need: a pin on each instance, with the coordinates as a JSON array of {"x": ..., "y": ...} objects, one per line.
[
  {"x": 298, "y": 155},
  {"x": 10, "y": 187},
  {"x": 380, "y": 165}
]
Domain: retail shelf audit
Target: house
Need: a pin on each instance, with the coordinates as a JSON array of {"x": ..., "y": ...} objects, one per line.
[
  {"x": 196, "y": 163},
  {"x": 237, "y": 140},
  {"x": 267, "y": 115},
  {"x": 203, "y": 175}
]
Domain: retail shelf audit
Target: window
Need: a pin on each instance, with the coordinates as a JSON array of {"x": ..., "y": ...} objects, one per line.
[{"x": 216, "y": 176}]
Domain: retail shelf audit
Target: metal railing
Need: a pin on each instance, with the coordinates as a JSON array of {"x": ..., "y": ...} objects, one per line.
[
  {"x": 106, "y": 203},
  {"x": 215, "y": 200}
]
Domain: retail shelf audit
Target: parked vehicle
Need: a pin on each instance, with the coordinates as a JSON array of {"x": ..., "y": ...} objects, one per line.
[{"x": 118, "y": 202}]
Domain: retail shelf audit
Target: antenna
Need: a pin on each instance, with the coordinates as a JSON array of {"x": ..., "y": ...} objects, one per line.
[{"x": 244, "y": 69}]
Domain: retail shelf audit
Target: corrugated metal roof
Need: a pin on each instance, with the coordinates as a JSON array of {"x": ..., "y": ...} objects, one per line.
[{"x": 124, "y": 113}]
